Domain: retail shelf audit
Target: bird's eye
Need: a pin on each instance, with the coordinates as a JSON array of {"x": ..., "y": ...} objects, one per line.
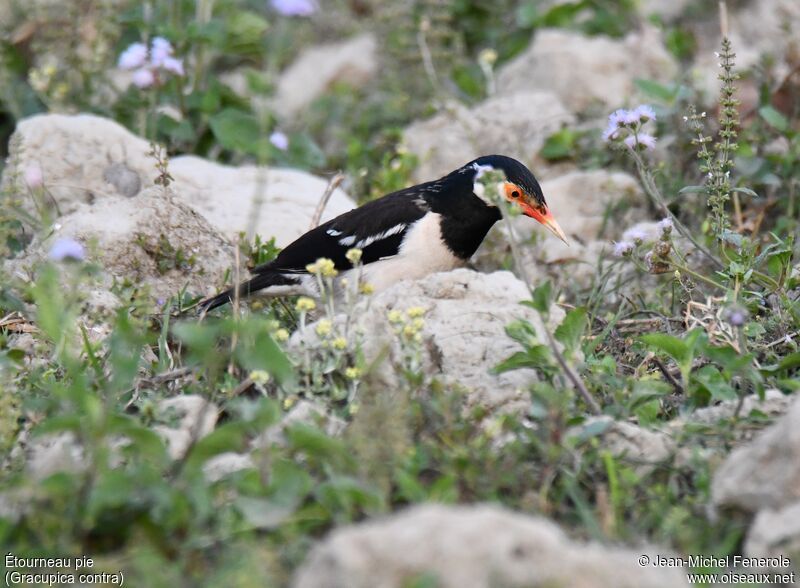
[{"x": 515, "y": 194}]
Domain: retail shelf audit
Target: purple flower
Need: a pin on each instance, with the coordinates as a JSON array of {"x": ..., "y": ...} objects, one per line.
[
  {"x": 611, "y": 131},
  {"x": 64, "y": 249},
  {"x": 623, "y": 248},
  {"x": 143, "y": 78},
  {"x": 616, "y": 121},
  {"x": 161, "y": 50},
  {"x": 173, "y": 65},
  {"x": 134, "y": 56},
  {"x": 666, "y": 226},
  {"x": 279, "y": 140},
  {"x": 33, "y": 176},
  {"x": 294, "y": 7},
  {"x": 629, "y": 117},
  {"x": 736, "y": 316},
  {"x": 635, "y": 234},
  {"x": 641, "y": 140},
  {"x": 645, "y": 113}
]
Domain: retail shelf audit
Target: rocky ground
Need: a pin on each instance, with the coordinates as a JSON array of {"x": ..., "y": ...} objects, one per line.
[{"x": 99, "y": 186}]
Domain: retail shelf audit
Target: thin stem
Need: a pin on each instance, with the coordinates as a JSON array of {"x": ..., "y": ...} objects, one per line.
[
  {"x": 653, "y": 192},
  {"x": 571, "y": 374}
]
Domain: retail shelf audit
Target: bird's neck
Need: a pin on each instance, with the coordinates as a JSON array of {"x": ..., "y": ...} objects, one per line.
[{"x": 466, "y": 219}]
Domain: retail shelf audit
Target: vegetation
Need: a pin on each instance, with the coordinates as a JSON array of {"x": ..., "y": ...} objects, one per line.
[{"x": 705, "y": 311}]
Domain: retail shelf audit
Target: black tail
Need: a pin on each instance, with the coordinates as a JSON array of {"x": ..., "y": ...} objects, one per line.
[{"x": 247, "y": 288}]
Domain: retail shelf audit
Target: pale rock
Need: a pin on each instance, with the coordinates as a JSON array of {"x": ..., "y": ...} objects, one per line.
[
  {"x": 668, "y": 10},
  {"x": 463, "y": 337},
  {"x": 642, "y": 448},
  {"x": 223, "y": 465},
  {"x": 775, "y": 532},
  {"x": 764, "y": 473},
  {"x": 190, "y": 418},
  {"x": 130, "y": 237},
  {"x": 516, "y": 124},
  {"x": 86, "y": 159},
  {"x": 226, "y": 197},
  {"x": 303, "y": 412},
  {"x": 50, "y": 454},
  {"x": 478, "y": 546},
  {"x": 775, "y": 37},
  {"x": 585, "y": 71},
  {"x": 353, "y": 61},
  {"x": 775, "y": 403},
  {"x": 82, "y": 158}
]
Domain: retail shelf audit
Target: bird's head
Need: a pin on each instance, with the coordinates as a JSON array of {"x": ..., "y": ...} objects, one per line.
[{"x": 520, "y": 188}]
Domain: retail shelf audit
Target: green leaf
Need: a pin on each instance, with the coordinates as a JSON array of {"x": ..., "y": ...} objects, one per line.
[
  {"x": 595, "y": 428},
  {"x": 693, "y": 190},
  {"x": 571, "y": 330},
  {"x": 559, "y": 145},
  {"x": 746, "y": 191},
  {"x": 733, "y": 238},
  {"x": 536, "y": 357},
  {"x": 262, "y": 513},
  {"x": 236, "y": 130},
  {"x": 710, "y": 378},
  {"x": 542, "y": 296},
  {"x": 289, "y": 482},
  {"x": 527, "y": 15},
  {"x": 265, "y": 354},
  {"x": 231, "y": 436},
  {"x": 245, "y": 31},
  {"x": 672, "y": 346},
  {"x": 562, "y": 14},
  {"x": 523, "y": 333},
  {"x": 655, "y": 90},
  {"x": 315, "y": 443},
  {"x": 342, "y": 495},
  {"x": 774, "y": 118}
]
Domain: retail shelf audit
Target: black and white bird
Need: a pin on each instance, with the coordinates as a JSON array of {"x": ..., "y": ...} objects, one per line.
[{"x": 408, "y": 234}]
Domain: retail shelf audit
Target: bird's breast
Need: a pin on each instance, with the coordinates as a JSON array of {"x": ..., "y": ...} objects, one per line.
[{"x": 422, "y": 252}]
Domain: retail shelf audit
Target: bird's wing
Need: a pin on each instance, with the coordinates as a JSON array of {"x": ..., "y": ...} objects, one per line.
[{"x": 377, "y": 228}]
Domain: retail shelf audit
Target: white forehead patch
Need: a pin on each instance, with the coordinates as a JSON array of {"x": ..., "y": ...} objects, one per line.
[
  {"x": 480, "y": 170},
  {"x": 477, "y": 187}
]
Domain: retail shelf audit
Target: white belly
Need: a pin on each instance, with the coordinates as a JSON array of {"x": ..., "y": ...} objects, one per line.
[{"x": 422, "y": 252}]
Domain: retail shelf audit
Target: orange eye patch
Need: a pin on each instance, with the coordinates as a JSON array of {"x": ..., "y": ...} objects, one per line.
[{"x": 513, "y": 192}]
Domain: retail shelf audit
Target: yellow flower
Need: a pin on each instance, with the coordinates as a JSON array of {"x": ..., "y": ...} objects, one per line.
[
  {"x": 352, "y": 373},
  {"x": 340, "y": 343},
  {"x": 488, "y": 56},
  {"x": 259, "y": 376},
  {"x": 415, "y": 312},
  {"x": 353, "y": 255},
  {"x": 304, "y": 304},
  {"x": 418, "y": 323},
  {"x": 409, "y": 331},
  {"x": 353, "y": 409},
  {"x": 281, "y": 335},
  {"x": 288, "y": 402},
  {"x": 323, "y": 266},
  {"x": 367, "y": 288},
  {"x": 395, "y": 316},
  {"x": 324, "y": 328}
]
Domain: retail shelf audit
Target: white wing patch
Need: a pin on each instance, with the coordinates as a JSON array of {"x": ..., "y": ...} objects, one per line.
[
  {"x": 333, "y": 232},
  {"x": 367, "y": 241}
]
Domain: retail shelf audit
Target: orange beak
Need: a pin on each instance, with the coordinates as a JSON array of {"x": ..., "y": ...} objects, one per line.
[{"x": 546, "y": 219}]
